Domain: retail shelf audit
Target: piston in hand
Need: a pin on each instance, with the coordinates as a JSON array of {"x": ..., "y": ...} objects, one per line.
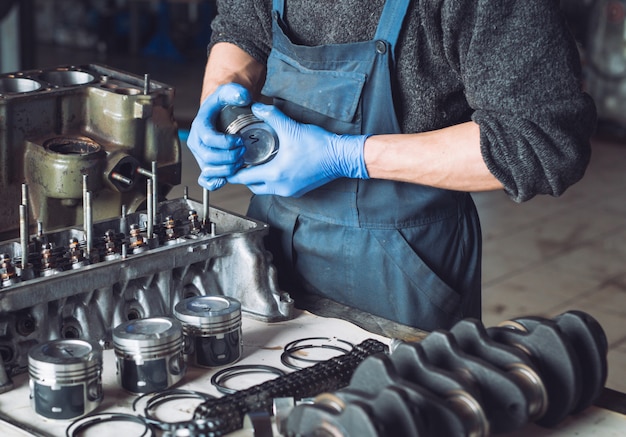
[{"x": 259, "y": 138}]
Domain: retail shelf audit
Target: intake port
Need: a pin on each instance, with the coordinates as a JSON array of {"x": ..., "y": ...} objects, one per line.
[
  {"x": 25, "y": 325},
  {"x": 7, "y": 353},
  {"x": 133, "y": 310},
  {"x": 71, "y": 330},
  {"x": 133, "y": 314}
]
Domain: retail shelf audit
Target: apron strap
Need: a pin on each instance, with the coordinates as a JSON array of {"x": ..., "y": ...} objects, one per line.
[
  {"x": 279, "y": 6},
  {"x": 390, "y": 23}
]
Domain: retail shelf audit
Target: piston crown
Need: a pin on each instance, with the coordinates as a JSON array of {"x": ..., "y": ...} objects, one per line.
[
  {"x": 198, "y": 310},
  {"x": 151, "y": 333},
  {"x": 212, "y": 329},
  {"x": 68, "y": 351}
]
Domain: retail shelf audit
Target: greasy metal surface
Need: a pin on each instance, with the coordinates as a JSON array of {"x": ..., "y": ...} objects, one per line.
[
  {"x": 61, "y": 123},
  {"x": 86, "y": 153},
  {"x": 459, "y": 382},
  {"x": 89, "y": 301}
]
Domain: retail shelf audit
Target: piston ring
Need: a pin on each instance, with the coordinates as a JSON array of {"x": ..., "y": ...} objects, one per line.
[
  {"x": 165, "y": 396},
  {"x": 94, "y": 419},
  {"x": 294, "y": 343},
  {"x": 219, "y": 378},
  {"x": 290, "y": 354},
  {"x": 295, "y": 346}
]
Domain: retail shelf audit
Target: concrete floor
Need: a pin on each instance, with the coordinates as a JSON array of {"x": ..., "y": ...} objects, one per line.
[{"x": 541, "y": 258}]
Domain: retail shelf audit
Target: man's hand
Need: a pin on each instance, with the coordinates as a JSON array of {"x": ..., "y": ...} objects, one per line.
[
  {"x": 308, "y": 157},
  {"x": 218, "y": 155}
]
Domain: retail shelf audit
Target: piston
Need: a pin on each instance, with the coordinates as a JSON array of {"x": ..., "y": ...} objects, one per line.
[
  {"x": 258, "y": 137},
  {"x": 212, "y": 329},
  {"x": 149, "y": 354},
  {"x": 65, "y": 378}
]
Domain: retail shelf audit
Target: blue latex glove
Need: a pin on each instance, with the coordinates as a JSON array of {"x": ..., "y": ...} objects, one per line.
[
  {"x": 217, "y": 154},
  {"x": 308, "y": 157}
]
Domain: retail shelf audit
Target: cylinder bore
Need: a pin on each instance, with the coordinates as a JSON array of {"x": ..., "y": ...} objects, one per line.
[
  {"x": 67, "y": 77},
  {"x": 121, "y": 87},
  {"x": 59, "y": 166},
  {"x": 16, "y": 85},
  {"x": 72, "y": 146}
]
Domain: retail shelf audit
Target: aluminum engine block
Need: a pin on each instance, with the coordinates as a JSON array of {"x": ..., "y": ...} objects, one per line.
[
  {"x": 87, "y": 154},
  {"x": 61, "y": 123},
  {"x": 76, "y": 297}
]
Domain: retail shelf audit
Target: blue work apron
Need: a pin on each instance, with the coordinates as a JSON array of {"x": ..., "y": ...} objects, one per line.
[{"x": 405, "y": 252}]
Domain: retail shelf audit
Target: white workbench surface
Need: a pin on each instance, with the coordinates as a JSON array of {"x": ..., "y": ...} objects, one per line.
[{"x": 263, "y": 344}]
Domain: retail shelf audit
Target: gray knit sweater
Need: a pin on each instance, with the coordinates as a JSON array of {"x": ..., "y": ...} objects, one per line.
[{"x": 511, "y": 66}]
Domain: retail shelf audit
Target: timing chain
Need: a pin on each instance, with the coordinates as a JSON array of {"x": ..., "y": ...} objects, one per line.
[{"x": 224, "y": 415}]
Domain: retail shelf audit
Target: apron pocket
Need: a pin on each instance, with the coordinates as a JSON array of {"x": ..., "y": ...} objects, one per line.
[
  {"x": 375, "y": 271},
  {"x": 337, "y": 93},
  {"x": 425, "y": 293}
]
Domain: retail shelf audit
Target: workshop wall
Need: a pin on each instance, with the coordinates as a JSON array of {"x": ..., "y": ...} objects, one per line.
[
  {"x": 101, "y": 25},
  {"x": 107, "y": 25}
]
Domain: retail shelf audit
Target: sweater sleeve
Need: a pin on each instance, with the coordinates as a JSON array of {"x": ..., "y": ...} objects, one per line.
[
  {"x": 521, "y": 72},
  {"x": 246, "y": 24}
]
